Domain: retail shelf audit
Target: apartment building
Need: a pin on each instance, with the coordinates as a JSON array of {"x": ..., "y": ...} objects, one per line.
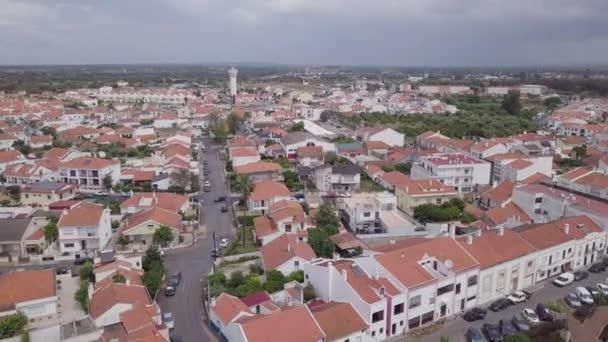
[
  {"x": 461, "y": 171},
  {"x": 586, "y": 180},
  {"x": 89, "y": 172},
  {"x": 427, "y": 191},
  {"x": 265, "y": 194},
  {"x": 363, "y": 211},
  {"x": 517, "y": 167},
  {"x": 43, "y": 194}
]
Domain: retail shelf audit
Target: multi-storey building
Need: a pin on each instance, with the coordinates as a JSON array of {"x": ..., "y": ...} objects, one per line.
[
  {"x": 84, "y": 227},
  {"x": 462, "y": 172},
  {"x": 89, "y": 172}
]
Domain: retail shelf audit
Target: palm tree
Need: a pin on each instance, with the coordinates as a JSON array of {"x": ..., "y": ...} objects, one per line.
[{"x": 244, "y": 185}]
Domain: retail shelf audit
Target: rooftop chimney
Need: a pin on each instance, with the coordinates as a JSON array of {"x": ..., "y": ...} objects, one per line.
[
  {"x": 345, "y": 275},
  {"x": 479, "y": 231},
  {"x": 289, "y": 247},
  {"x": 452, "y": 230},
  {"x": 567, "y": 228},
  {"x": 392, "y": 242},
  {"x": 501, "y": 231},
  {"x": 469, "y": 239}
]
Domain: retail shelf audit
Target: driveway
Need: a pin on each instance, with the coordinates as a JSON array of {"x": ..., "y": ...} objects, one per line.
[
  {"x": 187, "y": 305},
  {"x": 455, "y": 328}
]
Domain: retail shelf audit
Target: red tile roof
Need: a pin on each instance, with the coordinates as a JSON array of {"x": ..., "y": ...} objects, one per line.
[
  {"x": 257, "y": 167},
  {"x": 228, "y": 307},
  {"x": 165, "y": 200},
  {"x": 115, "y": 293},
  {"x": 23, "y": 286},
  {"x": 283, "y": 249},
  {"x": 256, "y": 299},
  {"x": 154, "y": 214},
  {"x": 338, "y": 320},
  {"x": 266, "y": 190},
  {"x": 491, "y": 248},
  {"x": 293, "y": 324},
  {"x": 83, "y": 214}
]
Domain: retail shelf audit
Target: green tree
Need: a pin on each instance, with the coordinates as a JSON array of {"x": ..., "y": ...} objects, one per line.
[
  {"x": 220, "y": 132},
  {"x": 13, "y": 325},
  {"x": 152, "y": 281},
  {"x": 297, "y": 127},
  {"x": 107, "y": 182},
  {"x": 511, "y": 103},
  {"x": 163, "y": 235},
  {"x": 236, "y": 279},
  {"x": 319, "y": 241},
  {"x": 122, "y": 241},
  {"x": 51, "y": 231},
  {"x": 551, "y": 103},
  {"x": 291, "y": 180},
  {"x": 517, "y": 338},
  {"x": 275, "y": 280},
  {"x": 49, "y": 131},
  {"x": 152, "y": 259},
  {"x": 579, "y": 152},
  {"x": 253, "y": 284},
  {"x": 326, "y": 218},
  {"x": 297, "y": 276},
  {"x": 404, "y": 168},
  {"x": 82, "y": 294},
  {"x": 234, "y": 122},
  {"x": 114, "y": 207},
  {"x": 14, "y": 191},
  {"x": 330, "y": 158},
  {"x": 244, "y": 185},
  {"x": 86, "y": 271},
  {"x": 119, "y": 278},
  {"x": 309, "y": 292}
]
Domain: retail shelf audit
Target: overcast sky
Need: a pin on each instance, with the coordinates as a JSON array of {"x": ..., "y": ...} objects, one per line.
[{"x": 352, "y": 32}]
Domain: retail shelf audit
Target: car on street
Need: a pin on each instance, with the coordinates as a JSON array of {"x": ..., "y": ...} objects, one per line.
[
  {"x": 206, "y": 172},
  {"x": 474, "y": 314},
  {"x": 492, "y": 332},
  {"x": 206, "y": 183},
  {"x": 220, "y": 199},
  {"x": 543, "y": 313},
  {"x": 597, "y": 268},
  {"x": 500, "y": 304},
  {"x": 572, "y": 300},
  {"x": 517, "y": 297},
  {"x": 507, "y": 328},
  {"x": 474, "y": 335},
  {"x": 564, "y": 279},
  {"x": 530, "y": 315},
  {"x": 168, "y": 320},
  {"x": 602, "y": 288},
  {"x": 61, "y": 270},
  {"x": 176, "y": 339},
  {"x": 215, "y": 253},
  {"x": 584, "y": 295},
  {"x": 580, "y": 275},
  {"x": 206, "y": 188},
  {"x": 520, "y": 323},
  {"x": 595, "y": 292},
  {"x": 172, "y": 284},
  {"x": 224, "y": 243}
]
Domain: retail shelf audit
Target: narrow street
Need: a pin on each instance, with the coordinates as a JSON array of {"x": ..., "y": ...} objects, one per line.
[{"x": 187, "y": 305}]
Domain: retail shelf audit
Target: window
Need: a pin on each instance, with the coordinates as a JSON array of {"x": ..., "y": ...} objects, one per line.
[
  {"x": 27, "y": 196},
  {"x": 68, "y": 245},
  {"x": 538, "y": 200},
  {"x": 296, "y": 263},
  {"x": 398, "y": 309},
  {"x": 427, "y": 317},
  {"x": 570, "y": 249},
  {"x": 288, "y": 228},
  {"x": 413, "y": 323},
  {"x": 381, "y": 331},
  {"x": 445, "y": 289},
  {"x": 457, "y": 288},
  {"x": 415, "y": 301},
  {"x": 373, "y": 333},
  {"x": 432, "y": 300},
  {"x": 472, "y": 280},
  {"x": 438, "y": 201},
  {"x": 367, "y": 214},
  {"x": 401, "y": 323},
  {"x": 48, "y": 197},
  {"x": 377, "y": 316}
]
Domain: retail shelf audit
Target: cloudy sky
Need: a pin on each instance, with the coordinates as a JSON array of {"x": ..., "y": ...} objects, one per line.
[{"x": 349, "y": 32}]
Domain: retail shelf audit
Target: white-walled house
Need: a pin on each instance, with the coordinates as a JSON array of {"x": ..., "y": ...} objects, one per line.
[
  {"x": 287, "y": 254},
  {"x": 461, "y": 171},
  {"x": 265, "y": 194},
  {"x": 292, "y": 141},
  {"x": 84, "y": 227},
  {"x": 32, "y": 292},
  {"x": 386, "y": 135},
  {"x": 89, "y": 172}
]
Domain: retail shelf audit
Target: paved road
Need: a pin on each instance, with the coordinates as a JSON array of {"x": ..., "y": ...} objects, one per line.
[
  {"x": 186, "y": 305},
  {"x": 456, "y": 328}
]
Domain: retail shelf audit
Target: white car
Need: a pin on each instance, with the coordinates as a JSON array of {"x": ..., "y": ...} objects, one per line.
[
  {"x": 206, "y": 183},
  {"x": 584, "y": 295},
  {"x": 224, "y": 243},
  {"x": 603, "y": 288},
  {"x": 517, "y": 297},
  {"x": 530, "y": 315},
  {"x": 564, "y": 279},
  {"x": 168, "y": 320}
]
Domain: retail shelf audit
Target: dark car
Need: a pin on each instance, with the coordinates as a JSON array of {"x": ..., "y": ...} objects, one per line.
[
  {"x": 172, "y": 284},
  {"x": 500, "y": 304},
  {"x": 580, "y": 275},
  {"x": 215, "y": 253},
  {"x": 474, "y": 335},
  {"x": 507, "y": 328},
  {"x": 492, "y": 332},
  {"x": 220, "y": 199},
  {"x": 176, "y": 339},
  {"x": 61, "y": 270},
  {"x": 474, "y": 314},
  {"x": 520, "y": 323},
  {"x": 597, "y": 268},
  {"x": 543, "y": 313},
  {"x": 224, "y": 208}
]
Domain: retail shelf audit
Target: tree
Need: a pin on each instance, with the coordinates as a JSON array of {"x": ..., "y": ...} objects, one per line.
[
  {"x": 122, "y": 241},
  {"x": 252, "y": 285},
  {"x": 552, "y": 103},
  {"x": 119, "y": 278},
  {"x": 51, "y": 231},
  {"x": 86, "y": 271},
  {"x": 309, "y": 292},
  {"x": 236, "y": 279},
  {"x": 404, "y": 168},
  {"x": 291, "y": 180},
  {"x": 114, "y": 207},
  {"x": 326, "y": 115},
  {"x": 182, "y": 179},
  {"x": 82, "y": 294},
  {"x": 152, "y": 281},
  {"x": 330, "y": 158},
  {"x": 13, "y": 325},
  {"x": 511, "y": 103},
  {"x": 326, "y": 218},
  {"x": 14, "y": 191},
  {"x": 297, "y": 127},
  {"x": 233, "y": 121},
  {"x": 220, "y": 132},
  {"x": 297, "y": 276},
  {"x": 163, "y": 235},
  {"x": 46, "y": 130},
  {"x": 107, "y": 182},
  {"x": 319, "y": 241},
  {"x": 244, "y": 185},
  {"x": 579, "y": 152},
  {"x": 275, "y": 280},
  {"x": 517, "y": 338},
  {"x": 152, "y": 259}
]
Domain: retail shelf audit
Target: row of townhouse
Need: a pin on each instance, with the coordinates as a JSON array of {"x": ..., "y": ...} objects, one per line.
[{"x": 413, "y": 282}]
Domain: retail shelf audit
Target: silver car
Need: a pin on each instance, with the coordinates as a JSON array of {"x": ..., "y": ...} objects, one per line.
[{"x": 573, "y": 300}]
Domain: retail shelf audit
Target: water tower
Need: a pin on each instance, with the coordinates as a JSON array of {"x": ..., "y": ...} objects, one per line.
[{"x": 232, "y": 72}]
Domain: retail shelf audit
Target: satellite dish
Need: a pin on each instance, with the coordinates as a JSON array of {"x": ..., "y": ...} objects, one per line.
[
  {"x": 449, "y": 264},
  {"x": 102, "y": 154}
]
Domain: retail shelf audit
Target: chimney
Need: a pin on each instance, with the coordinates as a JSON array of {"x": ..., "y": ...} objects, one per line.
[
  {"x": 452, "y": 230},
  {"x": 213, "y": 301},
  {"x": 402, "y": 255},
  {"x": 65, "y": 212},
  {"x": 567, "y": 228},
  {"x": 469, "y": 239},
  {"x": 392, "y": 242},
  {"x": 377, "y": 274},
  {"x": 344, "y": 274},
  {"x": 289, "y": 247},
  {"x": 479, "y": 231},
  {"x": 501, "y": 231}
]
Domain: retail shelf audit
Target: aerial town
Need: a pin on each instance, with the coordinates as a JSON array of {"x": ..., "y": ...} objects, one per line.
[{"x": 274, "y": 210}]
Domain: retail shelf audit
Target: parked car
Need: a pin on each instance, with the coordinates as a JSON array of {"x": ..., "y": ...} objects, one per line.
[
  {"x": 216, "y": 253},
  {"x": 492, "y": 332},
  {"x": 224, "y": 209},
  {"x": 573, "y": 301},
  {"x": 597, "y": 268},
  {"x": 580, "y": 275},
  {"x": 507, "y": 328},
  {"x": 595, "y": 292},
  {"x": 168, "y": 320},
  {"x": 500, "y": 304},
  {"x": 61, "y": 270},
  {"x": 584, "y": 295},
  {"x": 220, "y": 199},
  {"x": 530, "y": 315},
  {"x": 172, "y": 284},
  {"x": 206, "y": 183},
  {"x": 224, "y": 243},
  {"x": 474, "y": 335},
  {"x": 564, "y": 279},
  {"x": 603, "y": 288},
  {"x": 520, "y": 323},
  {"x": 176, "y": 339},
  {"x": 474, "y": 314},
  {"x": 517, "y": 297},
  {"x": 543, "y": 313}
]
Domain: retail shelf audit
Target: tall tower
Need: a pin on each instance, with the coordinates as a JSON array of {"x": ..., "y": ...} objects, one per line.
[{"x": 232, "y": 73}]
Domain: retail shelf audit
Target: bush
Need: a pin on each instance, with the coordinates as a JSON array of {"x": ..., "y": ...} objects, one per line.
[
  {"x": 82, "y": 294},
  {"x": 274, "y": 281},
  {"x": 13, "y": 325},
  {"x": 309, "y": 292},
  {"x": 246, "y": 220},
  {"x": 154, "y": 270},
  {"x": 256, "y": 268},
  {"x": 297, "y": 276},
  {"x": 554, "y": 306},
  {"x": 86, "y": 271}
]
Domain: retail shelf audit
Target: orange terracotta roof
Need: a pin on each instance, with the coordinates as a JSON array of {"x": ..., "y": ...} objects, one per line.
[
  {"x": 287, "y": 209},
  {"x": 338, "y": 320},
  {"x": 366, "y": 286},
  {"x": 396, "y": 178},
  {"x": 228, "y": 307},
  {"x": 257, "y": 167},
  {"x": 283, "y": 249},
  {"x": 426, "y": 187},
  {"x": 309, "y": 151},
  {"x": 262, "y": 226},
  {"x": 294, "y": 324},
  {"x": 89, "y": 163},
  {"x": 546, "y": 235},
  {"x": 247, "y": 151},
  {"x": 23, "y": 286},
  {"x": 377, "y": 145},
  {"x": 519, "y": 164},
  {"x": 502, "y": 192},
  {"x": 83, "y": 214},
  {"x": 106, "y": 298},
  {"x": 265, "y": 190},
  {"x": 500, "y": 215},
  {"x": 491, "y": 248},
  {"x": 155, "y": 214},
  {"x": 9, "y": 156}
]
